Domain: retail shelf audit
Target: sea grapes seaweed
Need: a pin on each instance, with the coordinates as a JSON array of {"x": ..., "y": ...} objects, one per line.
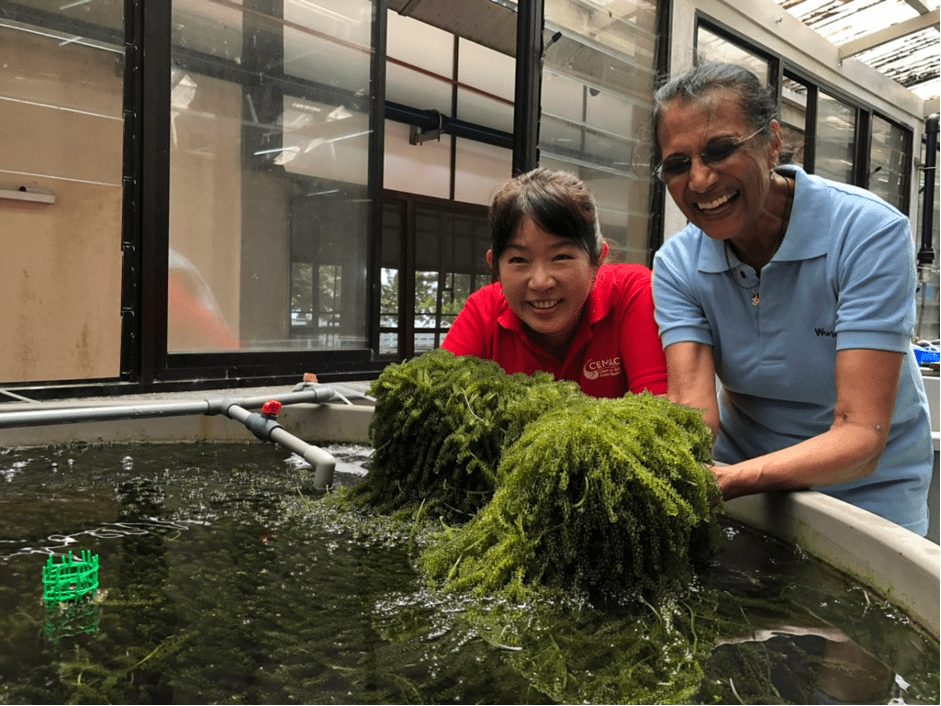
[
  {"x": 439, "y": 429},
  {"x": 621, "y": 656},
  {"x": 567, "y": 495},
  {"x": 603, "y": 496}
]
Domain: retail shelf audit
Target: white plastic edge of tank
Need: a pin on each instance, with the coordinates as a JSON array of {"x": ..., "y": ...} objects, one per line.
[
  {"x": 895, "y": 562},
  {"x": 933, "y": 390}
]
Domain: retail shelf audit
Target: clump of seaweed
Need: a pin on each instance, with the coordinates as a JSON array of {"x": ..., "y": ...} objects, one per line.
[
  {"x": 555, "y": 504},
  {"x": 439, "y": 430},
  {"x": 601, "y": 496}
]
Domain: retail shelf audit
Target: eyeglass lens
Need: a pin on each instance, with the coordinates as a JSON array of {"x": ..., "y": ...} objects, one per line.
[{"x": 716, "y": 151}]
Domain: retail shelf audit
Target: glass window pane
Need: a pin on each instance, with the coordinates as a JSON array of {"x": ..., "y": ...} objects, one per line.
[
  {"x": 268, "y": 178},
  {"x": 491, "y": 71},
  {"x": 834, "y": 146},
  {"x": 888, "y": 162},
  {"x": 711, "y": 47},
  {"x": 389, "y": 314},
  {"x": 450, "y": 252},
  {"x": 927, "y": 295},
  {"x": 417, "y": 169},
  {"x": 390, "y": 306},
  {"x": 417, "y": 90},
  {"x": 61, "y": 152},
  {"x": 793, "y": 122},
  {"x": 479, "y": 170},
  {"x": 419, "y": 45},
  {"x": 597, "y": 92},
  {"x": 490, "y": 78},
  {"x": 628, "y": 27},
  {"x": 484, "y": 110}
]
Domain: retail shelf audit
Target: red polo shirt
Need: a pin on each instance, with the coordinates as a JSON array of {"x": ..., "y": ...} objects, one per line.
[{"x": 616, "y": 348}]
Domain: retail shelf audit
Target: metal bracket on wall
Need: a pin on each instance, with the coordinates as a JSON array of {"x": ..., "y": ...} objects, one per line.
[
  {"x": 23, "y": 193},
  {"x": 417, "y": 135}
]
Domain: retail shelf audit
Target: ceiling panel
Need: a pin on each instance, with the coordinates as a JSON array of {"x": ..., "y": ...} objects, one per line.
[{"x": 912, "y": 59}]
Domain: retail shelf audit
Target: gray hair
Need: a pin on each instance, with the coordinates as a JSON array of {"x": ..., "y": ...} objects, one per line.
[{"x": 758, "y": 103}]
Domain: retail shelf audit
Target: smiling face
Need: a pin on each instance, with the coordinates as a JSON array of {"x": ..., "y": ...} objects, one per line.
[
  {"x": 726, "y": 198},
  {"x": 546, "y": 280}
]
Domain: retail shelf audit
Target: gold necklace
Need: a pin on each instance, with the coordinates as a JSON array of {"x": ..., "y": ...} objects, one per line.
[{"x": 785, "y": 219}]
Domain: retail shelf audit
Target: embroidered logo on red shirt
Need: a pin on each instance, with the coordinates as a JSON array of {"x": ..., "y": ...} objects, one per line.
[{"x": 595, "y": 369}]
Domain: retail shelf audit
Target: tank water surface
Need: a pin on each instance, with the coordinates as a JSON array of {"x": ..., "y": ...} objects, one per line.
[{"x": 223, "y": 576}]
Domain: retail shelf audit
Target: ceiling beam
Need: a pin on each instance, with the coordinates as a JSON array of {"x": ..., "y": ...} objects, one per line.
[
  {"x": 920, "y": 5},
  {"x": 896, "y": 31},
  {"x": 410, "y": 5}
]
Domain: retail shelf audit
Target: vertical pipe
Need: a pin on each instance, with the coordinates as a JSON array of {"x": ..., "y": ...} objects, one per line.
[
  {"x": 527, "y": 101},
  {"x": 926, "y": 253},
  {"x": 375, "y": 167}
]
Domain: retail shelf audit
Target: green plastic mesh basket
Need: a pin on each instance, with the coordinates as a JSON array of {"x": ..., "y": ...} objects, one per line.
[{"x": 71, "y": 579}]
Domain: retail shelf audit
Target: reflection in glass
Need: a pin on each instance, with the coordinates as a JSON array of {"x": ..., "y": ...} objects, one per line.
[
  {"x": 835, "y": 135},
  {"x": 389, "y": 313},
  {"x": 888, "y": 160},
  {"x": 447, "y": 245},
  {"x": 269, "y": 170},
  {"x": 450, "y": 263},
  {"x": 711, "y": 47},
  {"x": 793, "y": 121},
  {"x": 598, "y": 82}
]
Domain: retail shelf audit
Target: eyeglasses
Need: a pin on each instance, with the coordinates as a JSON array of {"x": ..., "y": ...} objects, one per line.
[{"x": 716, "y": 151}]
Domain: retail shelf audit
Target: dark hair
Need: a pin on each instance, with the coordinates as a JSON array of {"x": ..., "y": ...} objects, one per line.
[
  {"x": 556, "y": 201},
  {"x": 758, "y": 103}
]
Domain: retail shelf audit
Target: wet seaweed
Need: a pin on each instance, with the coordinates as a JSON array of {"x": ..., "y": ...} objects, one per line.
[
  {"x": 439, "y": 429},
  {"x": 543, "y": 496}
]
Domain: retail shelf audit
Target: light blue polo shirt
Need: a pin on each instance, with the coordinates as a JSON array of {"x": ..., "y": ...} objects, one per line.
[{"x": 843, "y": 278}]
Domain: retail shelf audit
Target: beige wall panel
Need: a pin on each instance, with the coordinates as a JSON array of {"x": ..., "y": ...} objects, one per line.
[
  {"x": 61, "y": 131},
  {"x": 61, "y": 271}
]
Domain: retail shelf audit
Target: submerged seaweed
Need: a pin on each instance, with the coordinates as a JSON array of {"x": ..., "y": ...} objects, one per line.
[{"x": 224, "y": 582}]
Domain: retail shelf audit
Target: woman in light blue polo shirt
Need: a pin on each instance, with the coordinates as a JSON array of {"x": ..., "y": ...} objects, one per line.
[{"x": 799, "y": 294}]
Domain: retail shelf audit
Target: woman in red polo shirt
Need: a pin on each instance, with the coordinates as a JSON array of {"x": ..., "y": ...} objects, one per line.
[{"x": 555, "y": 307}]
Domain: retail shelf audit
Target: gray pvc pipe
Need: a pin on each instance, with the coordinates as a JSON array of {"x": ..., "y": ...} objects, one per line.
[
  {"x": 46, "y": 417},
  {"x": 324, "y": 464},
  {"x": 235, "y": 408}
]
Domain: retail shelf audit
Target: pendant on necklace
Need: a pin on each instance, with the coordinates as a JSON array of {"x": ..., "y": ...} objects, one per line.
[{"x": 756, "y": 300}]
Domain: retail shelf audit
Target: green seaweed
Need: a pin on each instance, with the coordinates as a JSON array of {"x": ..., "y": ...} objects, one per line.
[
  {"x": 602, "y": 496},
  {"x": 545, "y": 496},
  {"x": 439, "y": 429}
]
